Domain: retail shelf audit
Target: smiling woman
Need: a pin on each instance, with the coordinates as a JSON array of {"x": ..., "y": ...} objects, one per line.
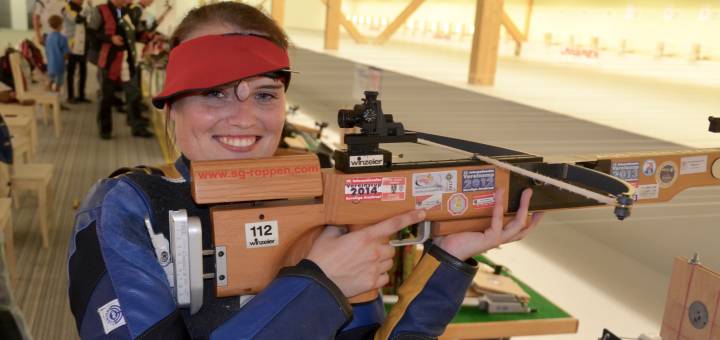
[
  {"x": 225, "y": 92},
  {"x": 242, "y": 120}
]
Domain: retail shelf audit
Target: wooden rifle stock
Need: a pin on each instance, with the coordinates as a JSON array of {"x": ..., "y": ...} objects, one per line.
[{"x": 267, "y": 212}]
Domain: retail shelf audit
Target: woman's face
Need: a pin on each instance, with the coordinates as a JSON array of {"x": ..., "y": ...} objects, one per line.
[{"x": 213, "y": 124}]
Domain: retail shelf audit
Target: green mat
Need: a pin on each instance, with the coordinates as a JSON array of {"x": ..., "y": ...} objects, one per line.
[{"x": 544, "y": 308}]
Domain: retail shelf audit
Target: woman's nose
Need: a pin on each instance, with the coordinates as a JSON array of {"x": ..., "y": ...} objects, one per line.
[{"x": 242, "y": 115}]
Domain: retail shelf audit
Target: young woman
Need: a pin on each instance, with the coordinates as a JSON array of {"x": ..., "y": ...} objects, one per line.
[{"x": 225, "y": 93}]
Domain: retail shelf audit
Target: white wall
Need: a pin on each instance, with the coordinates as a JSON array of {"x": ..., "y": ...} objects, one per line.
[{"x": 19, "y": 14}]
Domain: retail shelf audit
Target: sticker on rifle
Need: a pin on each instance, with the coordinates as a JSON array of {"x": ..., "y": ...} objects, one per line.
[
  {"x": 457, "y": 204},
  {"x": 262, "y": 234},
  {"x": 649, "y": 167},
  {"x": 627, "y": 171},
  {"x": 716, "y": 169},
  {"x": 393, "y": 188},
  {"x": 363, "y": 189},
  {"x": 693, "y": 165},
  {"x": 428, "y": 202},
  {"x": 365, "y": 161},
  {"x": 483, "y": 201},
  {"x": 429, "y": 183},
  {"x": 478, "y": 180},
  {"x": 647, "y": 192},
  {"x": 666, "y": 174}
]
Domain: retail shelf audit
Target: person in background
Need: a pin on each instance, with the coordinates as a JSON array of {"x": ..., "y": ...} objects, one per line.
[
  {"x": 42, "y": 11},
  {"x": 113, "y": 31},
  {"x": 75, "y": 30},
  {"x": 57, "y": 50}
]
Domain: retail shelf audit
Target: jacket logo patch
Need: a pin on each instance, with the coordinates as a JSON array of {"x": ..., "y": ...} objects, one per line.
[{"x": 111, "y": 316}]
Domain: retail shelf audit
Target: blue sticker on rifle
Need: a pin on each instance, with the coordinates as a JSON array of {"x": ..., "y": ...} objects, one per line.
[
  {"x": 627, "y": 171},
  {"x": 478, "y": 180}
]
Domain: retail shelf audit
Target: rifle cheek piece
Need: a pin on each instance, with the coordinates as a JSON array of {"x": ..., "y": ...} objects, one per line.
[{"x": 622, "y": 209}]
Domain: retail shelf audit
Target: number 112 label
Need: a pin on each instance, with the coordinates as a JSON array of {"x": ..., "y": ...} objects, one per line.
[{"x": 262, "y": 234}]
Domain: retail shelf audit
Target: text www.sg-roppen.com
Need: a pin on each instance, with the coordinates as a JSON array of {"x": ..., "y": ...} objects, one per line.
[{"x": 260, "y": 172}]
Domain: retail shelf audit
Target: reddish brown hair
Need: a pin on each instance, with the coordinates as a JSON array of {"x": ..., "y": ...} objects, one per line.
[
  {"x": 241, "y": 16},
  {"x": 55, "y": 22}
]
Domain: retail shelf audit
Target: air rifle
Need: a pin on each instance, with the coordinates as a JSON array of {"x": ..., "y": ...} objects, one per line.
[{"x": 266, "y": 213}]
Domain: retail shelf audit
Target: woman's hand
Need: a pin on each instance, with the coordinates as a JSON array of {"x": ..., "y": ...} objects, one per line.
[
  {"x": 358, "y": 261},
  {"x": 466, "y": 244}
]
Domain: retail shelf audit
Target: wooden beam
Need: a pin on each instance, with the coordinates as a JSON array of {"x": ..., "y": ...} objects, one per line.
[
  {"x": 510, "y": 26},
  {"x": 528, "y": 16},
  {"x": 399, "y": 21},
  {"x": 277, "y": 11},
  {"x": 332, "y": 24},
  {"x": 353, "y": 31},
  {"x": 484, "y": 54},
  {"x": 350, "y": 28}
]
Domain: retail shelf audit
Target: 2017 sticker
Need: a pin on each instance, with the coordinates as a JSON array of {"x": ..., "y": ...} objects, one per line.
[
  {"x": 429, "y": 183},
  {"x": 457, "y": 204},
  {"x": 478, "y": 180},
  {"x": 262, "y": 234},
  {"x": 360, "y": 189},
  {"x": 627, "y": 171},
  {"x": 393, "y": 188}
]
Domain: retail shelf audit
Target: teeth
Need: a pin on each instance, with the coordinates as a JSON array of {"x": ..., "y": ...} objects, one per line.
[{"x": 237, "y": 141}]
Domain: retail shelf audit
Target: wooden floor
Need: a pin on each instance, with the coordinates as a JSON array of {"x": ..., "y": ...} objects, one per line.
[{"x": 80, "y": 159}]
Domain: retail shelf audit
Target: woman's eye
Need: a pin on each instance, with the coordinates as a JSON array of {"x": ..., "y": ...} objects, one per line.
[
  {"x": 215, "y": 93},
  {"x": 265, "y": 96}
]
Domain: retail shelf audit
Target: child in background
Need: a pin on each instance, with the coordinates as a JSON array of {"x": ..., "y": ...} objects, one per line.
[{"x": 56, "y": 49}]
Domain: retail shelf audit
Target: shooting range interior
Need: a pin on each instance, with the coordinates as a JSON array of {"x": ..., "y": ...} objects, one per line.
[{"x": 564, "y": 80}]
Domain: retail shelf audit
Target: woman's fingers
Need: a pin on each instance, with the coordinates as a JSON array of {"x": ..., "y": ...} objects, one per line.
[
  {"x": 385, "y": 266},
  {"x": 534, "y": 220},
  {"x": 389, "y": 227},
  {"x": 382, "y": 280},
  {"x": 522, "y": 212},
  {"x": 498, "y": 215}
]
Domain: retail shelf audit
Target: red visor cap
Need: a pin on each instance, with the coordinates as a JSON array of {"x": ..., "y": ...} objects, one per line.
[{"x": 214, "y": 60}]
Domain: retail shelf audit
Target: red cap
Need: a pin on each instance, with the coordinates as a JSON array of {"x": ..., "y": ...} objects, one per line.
[{"x": 214, "y": 60}]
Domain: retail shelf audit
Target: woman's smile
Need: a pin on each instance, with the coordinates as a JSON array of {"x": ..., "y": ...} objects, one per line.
[{"x": 237, "y": 143}]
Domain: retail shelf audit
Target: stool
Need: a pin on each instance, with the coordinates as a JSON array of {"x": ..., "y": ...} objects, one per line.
[
  {"x": 37, "y": 178},
  {"x": 6, "y": 228}
]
